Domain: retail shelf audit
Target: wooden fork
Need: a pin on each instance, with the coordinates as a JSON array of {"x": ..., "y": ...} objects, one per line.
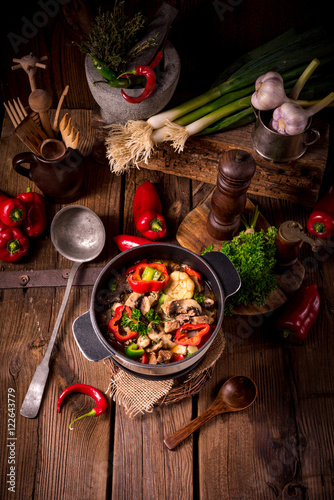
[{"x": 25, "y": 127}]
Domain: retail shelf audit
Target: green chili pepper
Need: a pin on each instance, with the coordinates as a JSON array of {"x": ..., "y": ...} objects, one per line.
[
  {"x": 112, "y": 79},
  {"x": 133, "y": 352}
]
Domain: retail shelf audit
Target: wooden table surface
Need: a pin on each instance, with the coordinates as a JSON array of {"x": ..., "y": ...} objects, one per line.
[
  {"x": 281, "y": 447},
  {"x": 285, "y": 438}
]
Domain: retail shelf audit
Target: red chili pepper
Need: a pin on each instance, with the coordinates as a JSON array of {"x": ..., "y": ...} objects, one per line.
[
  {"x": 125, "y": 241},
  {"x": 34, "y": 223},
  {"x": 147, "y": 212},
  {"x": 113, "y": 325},
  {"x": 157, "y": 59},
  {"x": 192, "y": 272},
  {"x": 150, "y": 84},
  {"x": 321, "y": 220},
  {"x": 12, "y": 212},
  {"x": 13, "y": 244},
  {"x": 182, "y": 336},
  {"x": 141, "y": 280},
  {"x": 101, "y": 402},
  {"x": 299, "y": 314}
]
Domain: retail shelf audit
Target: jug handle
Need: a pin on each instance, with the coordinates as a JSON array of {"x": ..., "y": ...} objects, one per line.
[
  {"x": 255, "y": 111},
  {"x": 23, "y": 158},
  {"x": 317, "y": 137}
]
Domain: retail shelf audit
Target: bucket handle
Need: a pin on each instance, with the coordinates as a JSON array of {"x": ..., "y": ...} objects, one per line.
[{"x": 317, "y": 137}]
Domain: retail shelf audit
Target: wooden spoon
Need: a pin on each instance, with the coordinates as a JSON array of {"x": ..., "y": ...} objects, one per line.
[
  {"x": 236, "y": 394},
  {"x": 40, "y": 101}
]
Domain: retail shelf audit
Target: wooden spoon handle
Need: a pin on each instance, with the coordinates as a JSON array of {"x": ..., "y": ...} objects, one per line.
[{"x": 175, "y": 439}]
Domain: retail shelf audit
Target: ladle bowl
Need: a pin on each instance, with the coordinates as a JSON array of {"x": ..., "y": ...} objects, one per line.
[
  {"x": 79, "y": 235},
  {"x": 236, "y": 394}
]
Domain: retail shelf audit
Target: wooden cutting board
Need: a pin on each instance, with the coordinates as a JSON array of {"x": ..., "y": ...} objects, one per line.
[{"x": 197, "y": 240}]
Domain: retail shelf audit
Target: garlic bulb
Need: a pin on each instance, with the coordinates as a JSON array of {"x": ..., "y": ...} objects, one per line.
[
  {"x": 292, "y": 119},
  {"x": 269, "y": 92}
]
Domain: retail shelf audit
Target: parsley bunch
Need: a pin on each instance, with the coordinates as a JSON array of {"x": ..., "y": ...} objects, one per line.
[
  {"x": 253, "y": 255},
  {"x": 137, "y": 322}
]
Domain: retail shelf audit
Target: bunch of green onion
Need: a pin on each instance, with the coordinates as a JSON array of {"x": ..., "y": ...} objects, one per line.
[{"x": 228, "y": 103}]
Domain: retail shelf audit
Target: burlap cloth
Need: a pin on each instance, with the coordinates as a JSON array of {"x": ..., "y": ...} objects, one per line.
[{"x": 138, "y": 395}]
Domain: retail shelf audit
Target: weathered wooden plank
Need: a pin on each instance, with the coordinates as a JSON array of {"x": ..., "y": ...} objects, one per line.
[{"x": 297, "y": 181}]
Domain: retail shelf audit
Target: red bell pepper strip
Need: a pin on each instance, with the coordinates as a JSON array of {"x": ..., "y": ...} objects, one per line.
[
  {"x": 321, "y": 219},
  {"x": 191, "y": 272},
  {"x": 178, "y": 357},
  {"x": 12, "y": 212},
  {"x": 101, "y": 402},
  {"x": 182, "y": 336},
  {"x": 13, "y": 244},
  {"x": 144, "y": 359},
  {"x": 150, "y": 84},
  {"x": 139, "y": 284},
  {"x": 125, "y": 241},
  {"x": 132, "y": 269},
  {"x": 299, "y": 314},
  {"x": 113, "y": 325},
  {"x": 34, "y": 223},
  {"x": 147, "y": 212}
]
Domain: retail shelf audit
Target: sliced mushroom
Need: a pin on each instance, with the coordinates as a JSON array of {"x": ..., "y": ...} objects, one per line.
[
  {"x": 132, "y": 299},
  {"x": 182, "y": 318},
  {"x": 143, "y": 341},
  {"x": 185, "y": 306},
  {"x": 208, "y": 303},
  {"x": 148, "y": 301},
  {"x": 154, "y": 336},
  {"x": 167, "y": 342},
  {"x": 154, "y": 347}
]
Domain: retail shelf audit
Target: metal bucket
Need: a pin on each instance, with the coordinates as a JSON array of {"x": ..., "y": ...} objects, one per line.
[{"x": 277, "y": 147}]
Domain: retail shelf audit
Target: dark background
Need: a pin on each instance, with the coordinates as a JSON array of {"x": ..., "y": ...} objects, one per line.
[{"x": 208, "y": 35}]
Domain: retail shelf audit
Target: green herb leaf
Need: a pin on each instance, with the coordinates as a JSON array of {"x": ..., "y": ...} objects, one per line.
[{"x": 153, "y": 316}]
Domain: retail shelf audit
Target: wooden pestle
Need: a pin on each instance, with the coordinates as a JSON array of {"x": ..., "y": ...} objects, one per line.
[
  {"x": 40, "y": 101},
  {"x": 228, "y": 201}
]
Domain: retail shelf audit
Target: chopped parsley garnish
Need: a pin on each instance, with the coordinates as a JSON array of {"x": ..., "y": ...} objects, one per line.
[
  {"x": 134, "y": 322},
  {"x": 199, "y": 298},
  {"x": 153, "y": 316}
]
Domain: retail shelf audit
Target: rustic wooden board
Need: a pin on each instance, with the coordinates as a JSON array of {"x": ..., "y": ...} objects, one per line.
[
  {"x": 197, "y": 240},
  {"x": 298, "y": 181}
]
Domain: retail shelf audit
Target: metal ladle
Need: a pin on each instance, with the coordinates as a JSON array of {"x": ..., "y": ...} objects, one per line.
[
  {"x": 236, "y": 394},
  {"x": 79, "y": 235}
]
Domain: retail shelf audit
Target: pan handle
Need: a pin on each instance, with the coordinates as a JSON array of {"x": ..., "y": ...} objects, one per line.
[
  {"x": 225, "y": 270},
  {"x": 87, "y": 339}
]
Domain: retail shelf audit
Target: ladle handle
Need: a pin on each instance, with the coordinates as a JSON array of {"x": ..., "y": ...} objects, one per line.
[
  {"x": 175, "y": 439},
  {"x": 32, "y": 401}
]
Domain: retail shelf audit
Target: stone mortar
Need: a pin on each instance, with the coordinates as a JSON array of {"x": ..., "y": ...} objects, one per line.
[{"x": 115, "y": 109}]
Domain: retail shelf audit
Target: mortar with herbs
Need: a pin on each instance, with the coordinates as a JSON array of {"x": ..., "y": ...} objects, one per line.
[{"x": 131, "y": 68}]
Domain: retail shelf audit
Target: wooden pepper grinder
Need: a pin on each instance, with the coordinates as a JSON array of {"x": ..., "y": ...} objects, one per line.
[
  {"x": 236, "y": 169},
  {"x": 40, "y": 101}
]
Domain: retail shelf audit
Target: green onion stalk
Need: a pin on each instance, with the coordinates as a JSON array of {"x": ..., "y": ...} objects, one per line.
[{"x": 224, "y": 106}]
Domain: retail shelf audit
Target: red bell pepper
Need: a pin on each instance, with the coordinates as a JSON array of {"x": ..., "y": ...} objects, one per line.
[
  {"x": 132, "y": 269},
  {"x": 191, "y": 272},
  {"x": 321, "y": 219},
  {"x": 13, "y": 244},
  {"x": 3, "y": 196},
  {"x": 34, "y": 223},
  {"x": 113, "y": 325},
  {"x": 12, "y": 211},
  {"x": 125, "y": 241},
  {"x": 299, "y": 314},
  {"x": 147, "y": 212},
  {"x": 182, "y": 336},
  {"x": 148, "y": 277}
]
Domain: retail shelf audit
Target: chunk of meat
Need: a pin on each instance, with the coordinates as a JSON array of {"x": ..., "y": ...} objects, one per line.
[
  {"x": 171, "y": 326},
  {"x": 182, "y": 318},
  {"x": 196, "y": 320},
  {"x": 164, "y": 356},
  {"x": 155, "y": 336},
  {"x": 185, "y": 306},
  {"x": 152, "y": 360},
  {"x": 148, "y": 301},
  {"x": 133, "y": 299}
]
